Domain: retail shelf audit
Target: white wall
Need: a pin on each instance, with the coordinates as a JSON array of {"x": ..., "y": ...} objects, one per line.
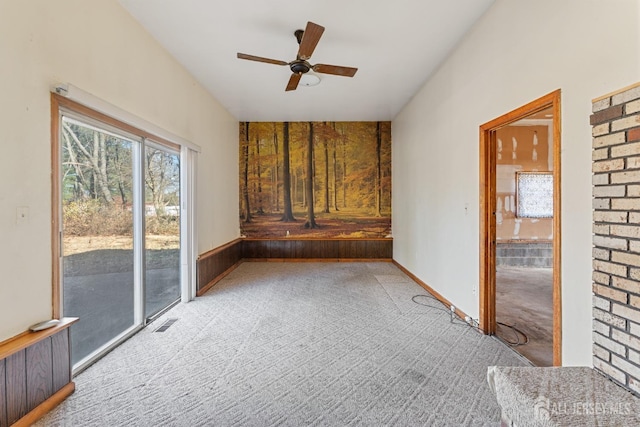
[
  {"x": 96, "y": 46},
  {"x": 519, "y": 51}
]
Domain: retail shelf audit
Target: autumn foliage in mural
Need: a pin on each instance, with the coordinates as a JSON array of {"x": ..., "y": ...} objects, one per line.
[{"x": 315, "y": 179}]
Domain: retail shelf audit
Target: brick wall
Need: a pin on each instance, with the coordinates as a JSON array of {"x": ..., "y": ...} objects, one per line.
[{"x": 616, "y": 236}]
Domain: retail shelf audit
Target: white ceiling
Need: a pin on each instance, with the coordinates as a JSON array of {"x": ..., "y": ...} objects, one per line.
[{"x": 395, "y": 45}]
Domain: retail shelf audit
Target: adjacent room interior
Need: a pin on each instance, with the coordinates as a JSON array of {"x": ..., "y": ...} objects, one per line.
[
  {"x": 320, "y": 213},
  {"x": 524, "y": 232}
]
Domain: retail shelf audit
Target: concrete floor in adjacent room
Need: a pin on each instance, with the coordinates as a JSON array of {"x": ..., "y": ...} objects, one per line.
[{"x": 524, "y": 299}]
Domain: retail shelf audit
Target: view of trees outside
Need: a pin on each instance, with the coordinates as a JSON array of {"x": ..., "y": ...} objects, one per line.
[
  {"x": 315, "y": 179},
  {"x": 97, "y": 216},
  {"x": 162, "y": 229}
]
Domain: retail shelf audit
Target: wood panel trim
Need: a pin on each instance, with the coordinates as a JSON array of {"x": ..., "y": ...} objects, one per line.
[
  {"x": 218, "y": 278},
  {"x": 219, "y": 249},
  {"x": 108, "y": 120},
  {"x": 39, "y": 360},
  {"x": 16, "y": 386},
  {"x": 317, "y": 260},
  {"x": 3, "y": 393},
  {"x": 429, "y": 289},
  {"x": 333, "y": 239},
  {"x": 487, "y": 229},
  {"x": 487, "y": 215},
  {"x": 281, "y": 250},
  {"x": 535, "y": 106},
  {"x": 215, "y": 264},
  {"x": 61, "y": 360},
  {"x": 331, "y": 249},
  {"x": 616, "y": 92},
  {"x": 46, "y": 406},
  {"x": 24, "y": 340},
  {"x": 557, "y": 229}
]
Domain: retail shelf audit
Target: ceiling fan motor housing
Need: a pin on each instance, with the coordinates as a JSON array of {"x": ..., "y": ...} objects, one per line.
[{"x": 300, "y": 67}]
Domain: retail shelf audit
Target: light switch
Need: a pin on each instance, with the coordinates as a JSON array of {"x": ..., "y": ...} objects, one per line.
[{"x": 22, "y": 215}]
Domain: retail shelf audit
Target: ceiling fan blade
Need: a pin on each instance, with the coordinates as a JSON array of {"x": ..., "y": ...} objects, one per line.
[
  {"x": 293, "y": 82},
  {"x": 310, "y": 40},
  {"x": 261, "y": 59},
  {"x": 335, "y": 69}
]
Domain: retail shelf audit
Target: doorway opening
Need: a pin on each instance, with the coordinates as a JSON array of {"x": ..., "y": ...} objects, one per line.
[{"x": 520, "y": 230}]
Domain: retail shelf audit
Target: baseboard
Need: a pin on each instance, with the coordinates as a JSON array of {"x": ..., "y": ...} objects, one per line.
[{"x": 429, "y": 289}]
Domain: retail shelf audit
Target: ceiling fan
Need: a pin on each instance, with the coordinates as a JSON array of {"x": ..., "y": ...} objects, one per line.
[{"x": 308, "y": 40}]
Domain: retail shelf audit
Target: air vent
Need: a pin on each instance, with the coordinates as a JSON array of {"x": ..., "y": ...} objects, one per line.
[{"x": 166, "y": 325}]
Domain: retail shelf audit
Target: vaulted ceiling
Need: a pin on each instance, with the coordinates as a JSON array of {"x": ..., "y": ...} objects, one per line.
[{"x": 396, "y": 46}]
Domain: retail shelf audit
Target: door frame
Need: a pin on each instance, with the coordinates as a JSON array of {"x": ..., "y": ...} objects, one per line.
[{"x": 488, "y": 173}]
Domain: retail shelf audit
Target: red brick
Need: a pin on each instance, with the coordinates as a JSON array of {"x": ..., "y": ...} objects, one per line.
[
  {"x": 607, "y": 115},
  {"x": 633, "y": 134}
]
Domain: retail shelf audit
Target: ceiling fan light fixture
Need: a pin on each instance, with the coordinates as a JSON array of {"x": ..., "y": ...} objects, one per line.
[
  {"x": 300, "y": 67},
  {"x": 309, "y": 79}
]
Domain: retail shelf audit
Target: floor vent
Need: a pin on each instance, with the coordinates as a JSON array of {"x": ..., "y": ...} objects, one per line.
[{"x": 166, "y": 325}]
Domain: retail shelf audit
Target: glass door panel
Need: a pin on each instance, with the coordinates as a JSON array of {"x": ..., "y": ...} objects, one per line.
[
  {"x": 98, "y": 257},
  {"x": 162, "y": 228}
]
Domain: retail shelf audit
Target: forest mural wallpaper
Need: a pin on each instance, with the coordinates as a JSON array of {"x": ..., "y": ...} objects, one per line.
[{"x": 315, "y": 179}]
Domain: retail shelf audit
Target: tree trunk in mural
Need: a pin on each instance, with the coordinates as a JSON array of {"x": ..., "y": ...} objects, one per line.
[
  {"x": 311, "y": 220},
  {"x": 295, "y": 189},
  {"x": 335, "y": 169},
  {"x": 275, "y": 145},
  {"x": 335, "y": 178},
  {"x": 259, "y": 174},
  {"x": 326, "y": 175},
  {"x": 314, "y": 197},
  {"x": 245, "y": 159},
  {"x": 378, "y": 170},
  {"x": 286, "y": 175},
  {"x": 344, "y": 170}
]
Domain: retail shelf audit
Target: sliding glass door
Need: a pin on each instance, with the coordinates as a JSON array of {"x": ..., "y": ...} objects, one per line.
[
  {"x": 162, "y": 228},
  {"x": 98, "y": 229},
  {"x": 120, "y": 234}
]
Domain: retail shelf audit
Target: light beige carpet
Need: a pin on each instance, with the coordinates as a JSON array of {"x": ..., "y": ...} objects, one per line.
[{"x": 296, "y": 344}]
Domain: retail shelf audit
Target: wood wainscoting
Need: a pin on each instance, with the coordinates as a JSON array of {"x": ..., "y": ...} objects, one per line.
[
  {"x": 318, "y": 249},
  {"x": 212, "y": 266},
  {"x": 35, "y": 374}
]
